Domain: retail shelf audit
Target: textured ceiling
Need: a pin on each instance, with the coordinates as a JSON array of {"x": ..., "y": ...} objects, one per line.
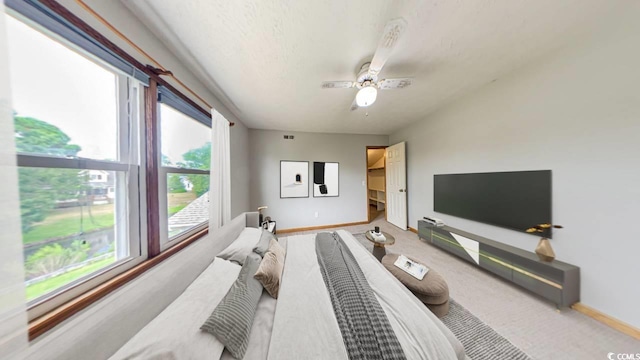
[{"x": 266, "y": 59}]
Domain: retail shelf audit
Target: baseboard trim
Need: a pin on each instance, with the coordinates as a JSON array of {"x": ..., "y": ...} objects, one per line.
[
  {"x": 413, "y": 230},
  {"x": 607, "y": 320},
  {"x": 319, "y": 227}
]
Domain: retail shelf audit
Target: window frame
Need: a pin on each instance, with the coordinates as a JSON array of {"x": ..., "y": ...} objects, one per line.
[
  {"x": 130, "y": 162},
  {"x": 163, "y": 171},
  {"x": 61, "y": 23}
]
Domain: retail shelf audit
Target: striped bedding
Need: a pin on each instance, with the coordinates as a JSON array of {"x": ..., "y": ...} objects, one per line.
[
  {"x": 365, "y": 329},
  {"x": 305, "y": 325},
  {"x": 300, "y": 324}
]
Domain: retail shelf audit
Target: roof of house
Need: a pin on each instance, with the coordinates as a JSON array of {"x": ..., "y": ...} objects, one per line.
[{"x": 193, "y": 214}]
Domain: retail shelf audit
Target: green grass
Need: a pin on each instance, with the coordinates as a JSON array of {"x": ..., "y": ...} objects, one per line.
[
  {"x": 175, "y": 209},
  {"x": 180, "y": 198},
  {"x": 35, "y": 290},
  {"x": 67, "y": 226}
]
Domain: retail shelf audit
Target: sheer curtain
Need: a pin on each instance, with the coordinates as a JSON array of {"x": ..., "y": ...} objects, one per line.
[
  {"x": 220, "y": 187},
  {"x": 13, "y": 316}
]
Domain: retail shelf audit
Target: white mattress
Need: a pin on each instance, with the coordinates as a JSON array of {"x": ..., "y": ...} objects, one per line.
[
  {"x": 175, "y": 333},
  {"x": 305, "y": 326},
  {"x": 300, "y": 324}
]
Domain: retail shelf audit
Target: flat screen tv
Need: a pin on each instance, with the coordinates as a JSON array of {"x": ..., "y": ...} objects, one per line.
[{"x": 515, "y": 200}]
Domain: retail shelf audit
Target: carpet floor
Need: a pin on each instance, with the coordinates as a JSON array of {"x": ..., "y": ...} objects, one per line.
[
  {"x": 531, "y": 323},
  {"x": 480, "y": 341}
]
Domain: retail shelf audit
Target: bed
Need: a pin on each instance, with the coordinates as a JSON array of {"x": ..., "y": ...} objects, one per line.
[{"x": 300, "y": 324}]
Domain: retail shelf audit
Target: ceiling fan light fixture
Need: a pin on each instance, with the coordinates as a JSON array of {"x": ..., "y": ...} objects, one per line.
[{"x": 366, "y": 96}]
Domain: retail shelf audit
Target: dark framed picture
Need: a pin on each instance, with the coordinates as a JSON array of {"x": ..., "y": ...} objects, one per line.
[
  {"x": 326, "y": 179},
  {"x": 294, "y": 179}
]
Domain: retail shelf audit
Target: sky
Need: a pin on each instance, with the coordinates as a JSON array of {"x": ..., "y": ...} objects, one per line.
[
  {"x": 52, "y": 83},
  {"x": 180, "y": 133}
]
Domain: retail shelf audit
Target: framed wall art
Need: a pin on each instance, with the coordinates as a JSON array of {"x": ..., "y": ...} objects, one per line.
[
  {"x": 326, "y": 179},
  {"x": 294, "y": 179}
]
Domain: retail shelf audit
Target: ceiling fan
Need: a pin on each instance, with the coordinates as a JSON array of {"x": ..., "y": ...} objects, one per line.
[{"x": 367, "y": 79}]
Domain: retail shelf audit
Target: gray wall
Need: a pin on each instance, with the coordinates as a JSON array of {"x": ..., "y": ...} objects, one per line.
[
  {"x": 125, "y": 21},
  {"x": 268, "y": 147},
  {"x": 576, "y": 113}
]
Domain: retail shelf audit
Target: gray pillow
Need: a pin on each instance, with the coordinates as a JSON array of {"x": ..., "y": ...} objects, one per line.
[
  {"x": 242, "y": 246},
  {"x": 263, "y": 244},
  {"x": 232, "y": 319}
]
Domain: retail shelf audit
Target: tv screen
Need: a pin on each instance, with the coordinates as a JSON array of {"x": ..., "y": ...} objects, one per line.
[{"x": 515, "y": 200}]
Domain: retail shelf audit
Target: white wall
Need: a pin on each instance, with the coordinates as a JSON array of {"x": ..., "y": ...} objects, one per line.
[
  {"x": 576, "y": 113},
  {"x": 116, "y": 13},
  {"x": 268, "y": 147},
  {"x": 239, "y": 169}
]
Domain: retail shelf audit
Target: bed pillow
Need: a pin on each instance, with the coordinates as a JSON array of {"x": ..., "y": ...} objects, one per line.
[
  {"x": 242, "y": 246},
  {"x": 232, "y": 319},
  {"x": 270, "y": 271},
  {"x": 263, "y": 243}
]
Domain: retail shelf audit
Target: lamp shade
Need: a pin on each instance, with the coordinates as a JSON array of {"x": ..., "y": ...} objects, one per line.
[{"x": 366, "y": 96}]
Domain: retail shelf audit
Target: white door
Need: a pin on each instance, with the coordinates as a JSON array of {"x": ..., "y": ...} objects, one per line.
[{"x": 397, "y": 185}]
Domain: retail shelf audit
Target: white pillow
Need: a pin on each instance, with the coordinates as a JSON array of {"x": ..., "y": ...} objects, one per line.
[{"x": 242, "y": 246}]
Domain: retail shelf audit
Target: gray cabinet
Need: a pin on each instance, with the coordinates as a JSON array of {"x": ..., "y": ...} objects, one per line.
[{"x": 556, "y": 281}]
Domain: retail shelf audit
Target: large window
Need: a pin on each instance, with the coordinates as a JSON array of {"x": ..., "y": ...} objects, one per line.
[
  {"x": 184, "y": 175},
  {"x": 75, "y": 131},
  {"x": 83, "y": 139}
]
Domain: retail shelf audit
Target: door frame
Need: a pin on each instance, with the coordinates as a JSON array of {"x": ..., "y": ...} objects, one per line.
[{"x": 366, "y": 169}]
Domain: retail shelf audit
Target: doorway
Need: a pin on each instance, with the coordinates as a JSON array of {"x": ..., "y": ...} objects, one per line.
[{"x": 376, "y": 183}]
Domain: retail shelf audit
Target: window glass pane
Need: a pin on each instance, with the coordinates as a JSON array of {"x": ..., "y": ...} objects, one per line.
[
  {"x": 187, "y": 201},
  {"x": 185, "y": 142},
  {"x": 71, "y": 224},
  {"x": 65, "y": 106}
]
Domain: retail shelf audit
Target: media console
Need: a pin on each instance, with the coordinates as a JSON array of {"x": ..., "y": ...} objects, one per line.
[{"x": 556, "y": 281}]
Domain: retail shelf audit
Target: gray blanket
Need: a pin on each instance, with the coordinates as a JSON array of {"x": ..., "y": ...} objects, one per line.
[{"x": 366, "y": 331}]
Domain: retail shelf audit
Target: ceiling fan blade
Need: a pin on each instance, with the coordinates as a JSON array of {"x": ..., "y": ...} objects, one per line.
[
  {"x": 354, "y": 105},
  {"x": 399, "y": 83},
  {"x": 392, "y": 32},
  {"x": 337, "y": 84}
]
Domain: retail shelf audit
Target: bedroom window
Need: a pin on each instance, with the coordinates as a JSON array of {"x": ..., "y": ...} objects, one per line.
[
  {"x": 76, "y": 122},
  {"x": 184, "y": 173}
]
